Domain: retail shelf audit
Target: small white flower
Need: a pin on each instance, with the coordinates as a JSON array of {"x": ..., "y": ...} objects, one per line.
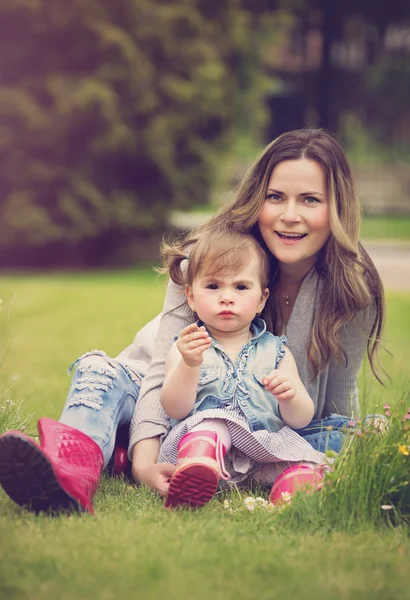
[
  {"x": 270, "y": 506},
  {"x": 286, "y": 497},
  {"x": 9, "y": 402},
  {"x": 386, "y": 507},
  {"x": 250, "y": 503},
  {"x": 227, "y": 503},
  {"x": 260, "y": 501}
]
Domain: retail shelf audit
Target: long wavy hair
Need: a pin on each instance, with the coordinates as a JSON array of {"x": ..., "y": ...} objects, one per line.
[{"x": 348, "y": 274}]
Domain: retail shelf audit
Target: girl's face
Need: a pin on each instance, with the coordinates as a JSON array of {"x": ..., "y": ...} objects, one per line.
[
  {"x": 294, "y": 220},
  {"x": 228, "y": 303}
]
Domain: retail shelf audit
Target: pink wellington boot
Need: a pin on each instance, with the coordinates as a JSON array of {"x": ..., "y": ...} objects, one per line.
[
  {"x": 303, "y": 477},
  {"x": 59, "y": 474},
  {"x": 200, "y": 465},
  {"x": 120, "y": 464}
]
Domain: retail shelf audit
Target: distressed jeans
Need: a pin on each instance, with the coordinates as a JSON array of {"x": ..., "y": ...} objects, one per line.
[
  {"x": 331, "y": 432},
  {"x": 101, "y": 399}
]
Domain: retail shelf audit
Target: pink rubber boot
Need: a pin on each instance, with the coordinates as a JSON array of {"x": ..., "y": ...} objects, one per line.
[
  {"x": 120, "y": 464},
  {"x": 200, "y": 466},
  {"x": 59, "y": 474},
  {"x": 297, "y": 477}
]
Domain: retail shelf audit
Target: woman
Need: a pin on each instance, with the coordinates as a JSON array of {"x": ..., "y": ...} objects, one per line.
[{"x": 298, "y": 199}]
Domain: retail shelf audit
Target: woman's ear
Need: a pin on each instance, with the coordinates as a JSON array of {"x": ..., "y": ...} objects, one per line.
[{"x": 190, "y": 297}]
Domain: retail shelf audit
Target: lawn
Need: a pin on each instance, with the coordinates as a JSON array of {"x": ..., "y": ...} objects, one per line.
[{"x": 132, "y": 546}]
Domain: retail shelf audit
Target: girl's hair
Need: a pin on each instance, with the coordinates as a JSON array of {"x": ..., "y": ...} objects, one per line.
[
  {"x": 350, "y": 280},
  {"x": 221, "y": 250}
]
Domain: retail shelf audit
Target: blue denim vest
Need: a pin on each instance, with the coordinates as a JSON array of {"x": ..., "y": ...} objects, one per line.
[{"x": 238, "y": 386}]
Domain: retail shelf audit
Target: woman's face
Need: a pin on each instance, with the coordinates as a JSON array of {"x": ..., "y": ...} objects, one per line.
[{"x": 294, "y": 220}]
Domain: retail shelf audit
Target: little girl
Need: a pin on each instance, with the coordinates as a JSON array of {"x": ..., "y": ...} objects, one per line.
[{"x": 231, "y": 387}]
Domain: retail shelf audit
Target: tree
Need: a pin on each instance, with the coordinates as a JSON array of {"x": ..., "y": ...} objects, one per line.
[{"x": 112, "y": 114}]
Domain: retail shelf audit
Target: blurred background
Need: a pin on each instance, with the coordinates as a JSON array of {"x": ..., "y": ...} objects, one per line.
[{"x": 117, "y": 117}]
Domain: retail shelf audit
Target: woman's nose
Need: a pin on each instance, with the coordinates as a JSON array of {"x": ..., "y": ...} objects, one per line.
[{"x": 290, "y": 212}]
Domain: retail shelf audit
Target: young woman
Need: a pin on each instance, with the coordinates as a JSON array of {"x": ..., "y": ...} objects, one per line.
[{"x": 299, "y": 201}]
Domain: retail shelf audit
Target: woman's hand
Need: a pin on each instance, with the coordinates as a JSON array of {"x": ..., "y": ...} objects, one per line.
[
  {"x": 192, "y": 343},
  {"x": 146, "y": 470},
  {"x": 157, "y": 476},
  {"x": 279, "y": 384}
]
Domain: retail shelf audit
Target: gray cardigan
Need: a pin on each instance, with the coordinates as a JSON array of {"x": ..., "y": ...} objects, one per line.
[{"x": 333, "y": 391}]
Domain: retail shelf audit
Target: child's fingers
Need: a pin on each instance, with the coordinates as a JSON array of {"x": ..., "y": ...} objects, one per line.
[
  {"x": 273, "y": 378},
  {"x": 193, "y": 334},
  {"x": 196, "y": 345},
  {"x": 286, "y": 396},
  {"x": 189, "y": 329},
  {"x": 193, "y": 329},
  {"x": 200, "y": 347},
  {"x": 277, "y": 387}
]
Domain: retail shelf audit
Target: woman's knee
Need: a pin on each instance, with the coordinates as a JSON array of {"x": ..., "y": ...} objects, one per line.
[{"x": 96, "y": 378}]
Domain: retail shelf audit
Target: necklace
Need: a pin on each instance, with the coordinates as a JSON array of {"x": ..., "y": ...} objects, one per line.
[{"x": 286, "y": 298}]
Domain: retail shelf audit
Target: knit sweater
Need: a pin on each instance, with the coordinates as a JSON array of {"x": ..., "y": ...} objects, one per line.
[{"x": 334, "y": 390}]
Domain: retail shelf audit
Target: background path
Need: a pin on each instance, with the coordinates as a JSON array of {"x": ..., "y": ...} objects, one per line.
[{"x": 392, "y": 260}]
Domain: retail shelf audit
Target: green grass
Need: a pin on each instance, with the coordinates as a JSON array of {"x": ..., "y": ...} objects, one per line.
[{"x": 132, "y": 546}]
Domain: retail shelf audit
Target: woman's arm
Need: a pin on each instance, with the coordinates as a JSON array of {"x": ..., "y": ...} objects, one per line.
[
  {"x": 145, "y": 468},
  {"x": 150, "y": 420}
]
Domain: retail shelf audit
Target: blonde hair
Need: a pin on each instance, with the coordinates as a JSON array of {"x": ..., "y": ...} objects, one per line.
[
  {"x": 349, "y": 276},
  {"x": 218, "y": 251}
]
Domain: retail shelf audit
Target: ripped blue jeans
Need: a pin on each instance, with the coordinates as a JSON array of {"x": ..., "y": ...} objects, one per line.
[{"x": 101, "y": 398}]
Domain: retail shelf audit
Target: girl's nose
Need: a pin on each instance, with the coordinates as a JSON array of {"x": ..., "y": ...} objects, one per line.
[{"x": 226, "y": 298}]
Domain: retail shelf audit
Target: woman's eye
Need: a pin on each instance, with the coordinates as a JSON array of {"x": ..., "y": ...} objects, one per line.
[
  {"x": 274, "y": 197},
  {"x": 311, "y": 200}
]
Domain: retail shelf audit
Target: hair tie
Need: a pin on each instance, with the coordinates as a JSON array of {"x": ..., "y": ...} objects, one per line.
[{"x": 187, "y": 257}]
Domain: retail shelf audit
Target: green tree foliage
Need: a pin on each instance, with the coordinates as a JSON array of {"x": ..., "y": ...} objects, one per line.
[{"x": 112, "y": 113}]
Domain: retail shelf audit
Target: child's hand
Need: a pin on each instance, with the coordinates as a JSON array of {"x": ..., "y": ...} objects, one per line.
[
  {"x": 192, "y": 343},
  {"x": 278, "y": 384}
]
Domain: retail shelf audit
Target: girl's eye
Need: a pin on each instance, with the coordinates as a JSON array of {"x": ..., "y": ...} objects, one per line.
[
  {"x": 274, "y": 197},
  {"x": 311, "y": 200},
  {"x": 211, "y": 286},
  {"x": 241, "y": 287}
]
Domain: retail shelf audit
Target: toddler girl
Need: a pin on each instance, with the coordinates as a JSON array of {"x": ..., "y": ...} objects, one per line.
[{"x": 230, "y": 386}]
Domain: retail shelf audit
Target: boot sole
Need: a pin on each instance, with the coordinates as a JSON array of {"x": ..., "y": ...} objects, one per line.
[
  {"x": 28, "y": 477},
  {"x": 192, "y": 486}
]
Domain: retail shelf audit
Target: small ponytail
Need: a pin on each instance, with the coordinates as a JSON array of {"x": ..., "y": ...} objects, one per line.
[{"x": 173, "y": 254}]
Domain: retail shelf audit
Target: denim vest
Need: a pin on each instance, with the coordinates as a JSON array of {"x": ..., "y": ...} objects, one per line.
[{"x": 238, "y": 386}]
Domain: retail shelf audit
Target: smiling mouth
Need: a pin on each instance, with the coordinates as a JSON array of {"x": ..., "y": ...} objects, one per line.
[{"x": 290, "y": 236}]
